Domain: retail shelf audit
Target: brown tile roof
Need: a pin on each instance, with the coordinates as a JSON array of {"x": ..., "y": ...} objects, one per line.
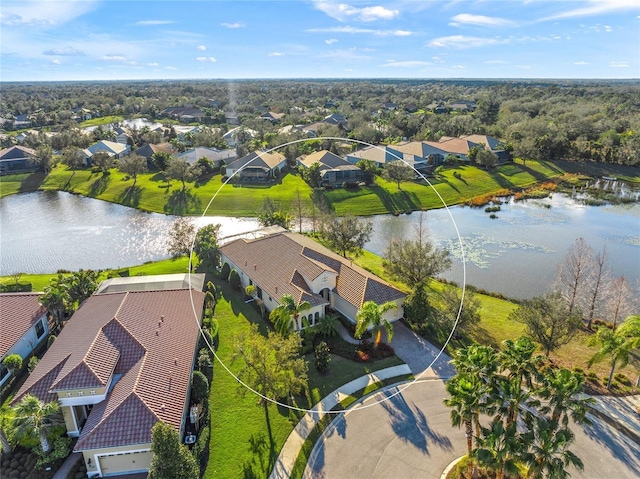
[
  {"x": 148, "y": 340},
  {"x": 283, "y": 264},
  {"x": 456, "y": 145},
  {"x": 15, "y": 152},
  {"x": 18, "y": 313}
]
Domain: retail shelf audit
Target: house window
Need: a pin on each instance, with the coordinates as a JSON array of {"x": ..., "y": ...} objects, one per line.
[
  {"x": 80, "y": 393},
  {"x": 93, "y": 392},
  {"x": 4, "y": 372},
  {"x": 68, "y": 395},
  {"x": 39, "y": 329}
]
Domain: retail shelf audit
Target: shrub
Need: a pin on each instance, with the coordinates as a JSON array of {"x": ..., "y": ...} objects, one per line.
[
  {"x": 362, "y": 357},
  {"x": 234, "y": 279},
  {"x": 199, "y": 387},
  {"x": 13, "y": 362},
  {"x": 622, "y": 379},
  {"x": 59, "y": 450},
  {"x": 33, "y": 362},
  {"x": 323, "y": 357},
  {"x": 225, "y": 270}
]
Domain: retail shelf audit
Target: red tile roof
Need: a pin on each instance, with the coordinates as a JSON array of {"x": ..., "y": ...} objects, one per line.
[
  {"x": 18, "y": 313},
  {"x": 285, "y": 263},
  {"x": 148, "y": 340}
]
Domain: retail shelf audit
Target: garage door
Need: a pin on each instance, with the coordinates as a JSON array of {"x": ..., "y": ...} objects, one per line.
[{"x": 124, "y": 463}]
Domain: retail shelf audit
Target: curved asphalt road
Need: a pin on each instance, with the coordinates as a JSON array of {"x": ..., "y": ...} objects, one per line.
[{"x": 410, "y": 437}]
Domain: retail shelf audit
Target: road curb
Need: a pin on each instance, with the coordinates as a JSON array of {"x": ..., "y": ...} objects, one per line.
[{"x": 453, "y": 464}]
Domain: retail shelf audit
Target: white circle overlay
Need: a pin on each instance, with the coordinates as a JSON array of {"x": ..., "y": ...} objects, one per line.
[{"x": 406, "y": 384}]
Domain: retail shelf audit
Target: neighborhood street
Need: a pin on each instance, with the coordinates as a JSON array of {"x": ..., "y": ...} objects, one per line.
[{"x": 410, "y": 436}]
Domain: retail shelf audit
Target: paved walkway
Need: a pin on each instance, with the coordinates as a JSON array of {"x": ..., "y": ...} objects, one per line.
[
  {"x": 622, "y": 413},
  {"x": 67, "y": 465}
]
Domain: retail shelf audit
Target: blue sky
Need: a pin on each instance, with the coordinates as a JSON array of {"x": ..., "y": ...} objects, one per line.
[{"x": 111, "y": 39}]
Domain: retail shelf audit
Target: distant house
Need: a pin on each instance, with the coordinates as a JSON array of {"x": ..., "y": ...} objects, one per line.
[
  {"x": 271, "y": 116},
  {"x": 184, "y": 113},
  {"x": 217, "y": 157},
  {"x": 334, "y": 170},
  {"x": 233, "y": 136},
  {"x": 182, "y": 130},
  {"x": 16, "y": 159},
  {"x": 113, "y": 149},
  {"x": 24, "y": 327},
  {"x": 231, "y": 118},
  {"x": 122, "y": 135},
  {"x": 336, "y": 119},
  {"x": 463, "y": 105},
  {"x": 149, "y": 149},
  {"x": 257, "y": 166},
  {"x": 492, "y": 144},
  {"x": 289, "y": 263},
  {"x": 123, "y": 362},
  {"x": 381, "y": 155}
]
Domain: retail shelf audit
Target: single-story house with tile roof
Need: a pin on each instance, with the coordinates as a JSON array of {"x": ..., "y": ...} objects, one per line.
[
  {"x": 24, "y": 327},
  {"x": 149, "y": 149},
  {"x": 232, "y": 136},
  {"x": 257, "y": 165},
  {"x": 334, "y": 169},
  {"x": 492, "y": 144},
  {"x": 16, "y": 159},
  {"x": 290, "y": 263},
  {"x": 113, "y": 149},
  {"x": 122, "y": 363},
  {"x": 217, "y": 157}
]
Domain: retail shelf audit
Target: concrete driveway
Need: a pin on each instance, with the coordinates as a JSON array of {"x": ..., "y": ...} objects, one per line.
[{"x": 410, "y": 436}]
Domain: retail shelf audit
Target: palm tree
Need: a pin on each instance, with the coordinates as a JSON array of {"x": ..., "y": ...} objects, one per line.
[
  {"x": 36, "y": 418},
  {"x": 500, "y": 447},
  {"x": 287, "y": 313},
  {"x": 6, "y": 415},
  {"x": 371, "y": 315},
  {"x": 616, "y": 345},
  {"x": 466, "y": 403},
  {"x": 548, "y": 455},
  {"x": 56, "y": 298},
  {"x": 561, "y": 388},
  {"x": 477, "y": 360}
]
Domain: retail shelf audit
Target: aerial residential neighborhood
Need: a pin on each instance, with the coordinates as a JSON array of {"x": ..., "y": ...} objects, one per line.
[{"x": 319, "y": 239}]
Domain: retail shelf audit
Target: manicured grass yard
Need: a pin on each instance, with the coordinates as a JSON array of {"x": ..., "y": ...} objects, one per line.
[
  {"x": 246, "y": 437},
  {"x": 104, "y": 120},
  {"x": 152, "y": 193}
]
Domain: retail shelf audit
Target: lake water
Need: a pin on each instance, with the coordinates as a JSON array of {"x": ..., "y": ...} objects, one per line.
[
  {"x": 515, "y": 254},
  {"x": 45, "y": 231}
]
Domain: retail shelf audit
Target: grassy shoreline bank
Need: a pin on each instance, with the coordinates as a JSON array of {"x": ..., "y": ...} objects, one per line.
[{"x": 451, "y": 186}]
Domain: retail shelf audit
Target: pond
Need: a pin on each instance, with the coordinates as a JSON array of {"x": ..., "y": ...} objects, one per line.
[
  {"x": 518, "y": 252},
  {"x": 45, "y": 231},
  {"x": 515, "y": 254}
]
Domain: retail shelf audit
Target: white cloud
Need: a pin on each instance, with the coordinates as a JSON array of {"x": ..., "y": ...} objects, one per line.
[
  {"x": 152, "y": 64},
  {"x": 495, "y": 62},
  {"x": 580, "y": 63},
  {"x": 233, "y": 25},
  {"x": 64, "y": 51},
  {"x": 596, "y": 7},
  {"x": 113, "y": 58},
  {"x": 458, "y": 67},
  {"x": 406, "y": 64},
  {"x": 462, "y": 41},
  {"x": 43, "y": 13},
  {"x": 608, "y": 28},
  {"x": 202, "y": 48},
  {"x": 438, "y": 59},
  {"x": 170, "y": 68},
  {"x": 206, "y": 59},
  {"x": 56, "y": 62},
  {"x": 346, "y": 54},
  {"x": 357, "y": 30},
  {"x": 330, "y": 41},
  {"x": 344, "y": 12},
  {"x": 619, "y": 64},
  {"x": 276, "y": 54},
  {"x": 154, "y": 22},
  {"x": 480, "y": 20}
]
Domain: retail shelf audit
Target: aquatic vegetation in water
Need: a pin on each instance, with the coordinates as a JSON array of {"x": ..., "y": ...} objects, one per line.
[{"x": 480, "y": 249}]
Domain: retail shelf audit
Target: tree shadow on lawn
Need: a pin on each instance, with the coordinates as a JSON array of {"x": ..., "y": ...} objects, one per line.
[
  {"x": 99, "y": 186},
  {"x": 398, "y": 202},
  {"x": 32, "y": 182},
  {"x": 499, "y": 178},
  {"x": 538, "y": 175},
  {"x": 411, "y": 425},
  {"x": 181, "y": 202},
  {"x": 263, "y": 451},
  {"x": 130, "y": 196}
]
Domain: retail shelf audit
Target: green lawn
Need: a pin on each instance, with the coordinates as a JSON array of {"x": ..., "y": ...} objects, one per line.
[
  {"x": 246, "y": 437},
  {"x": 167, "y": 266},
  {"x": 105, "y": 120},
  {"x": 152, "y": 193},
  {"x": 385, "y": 197}
]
